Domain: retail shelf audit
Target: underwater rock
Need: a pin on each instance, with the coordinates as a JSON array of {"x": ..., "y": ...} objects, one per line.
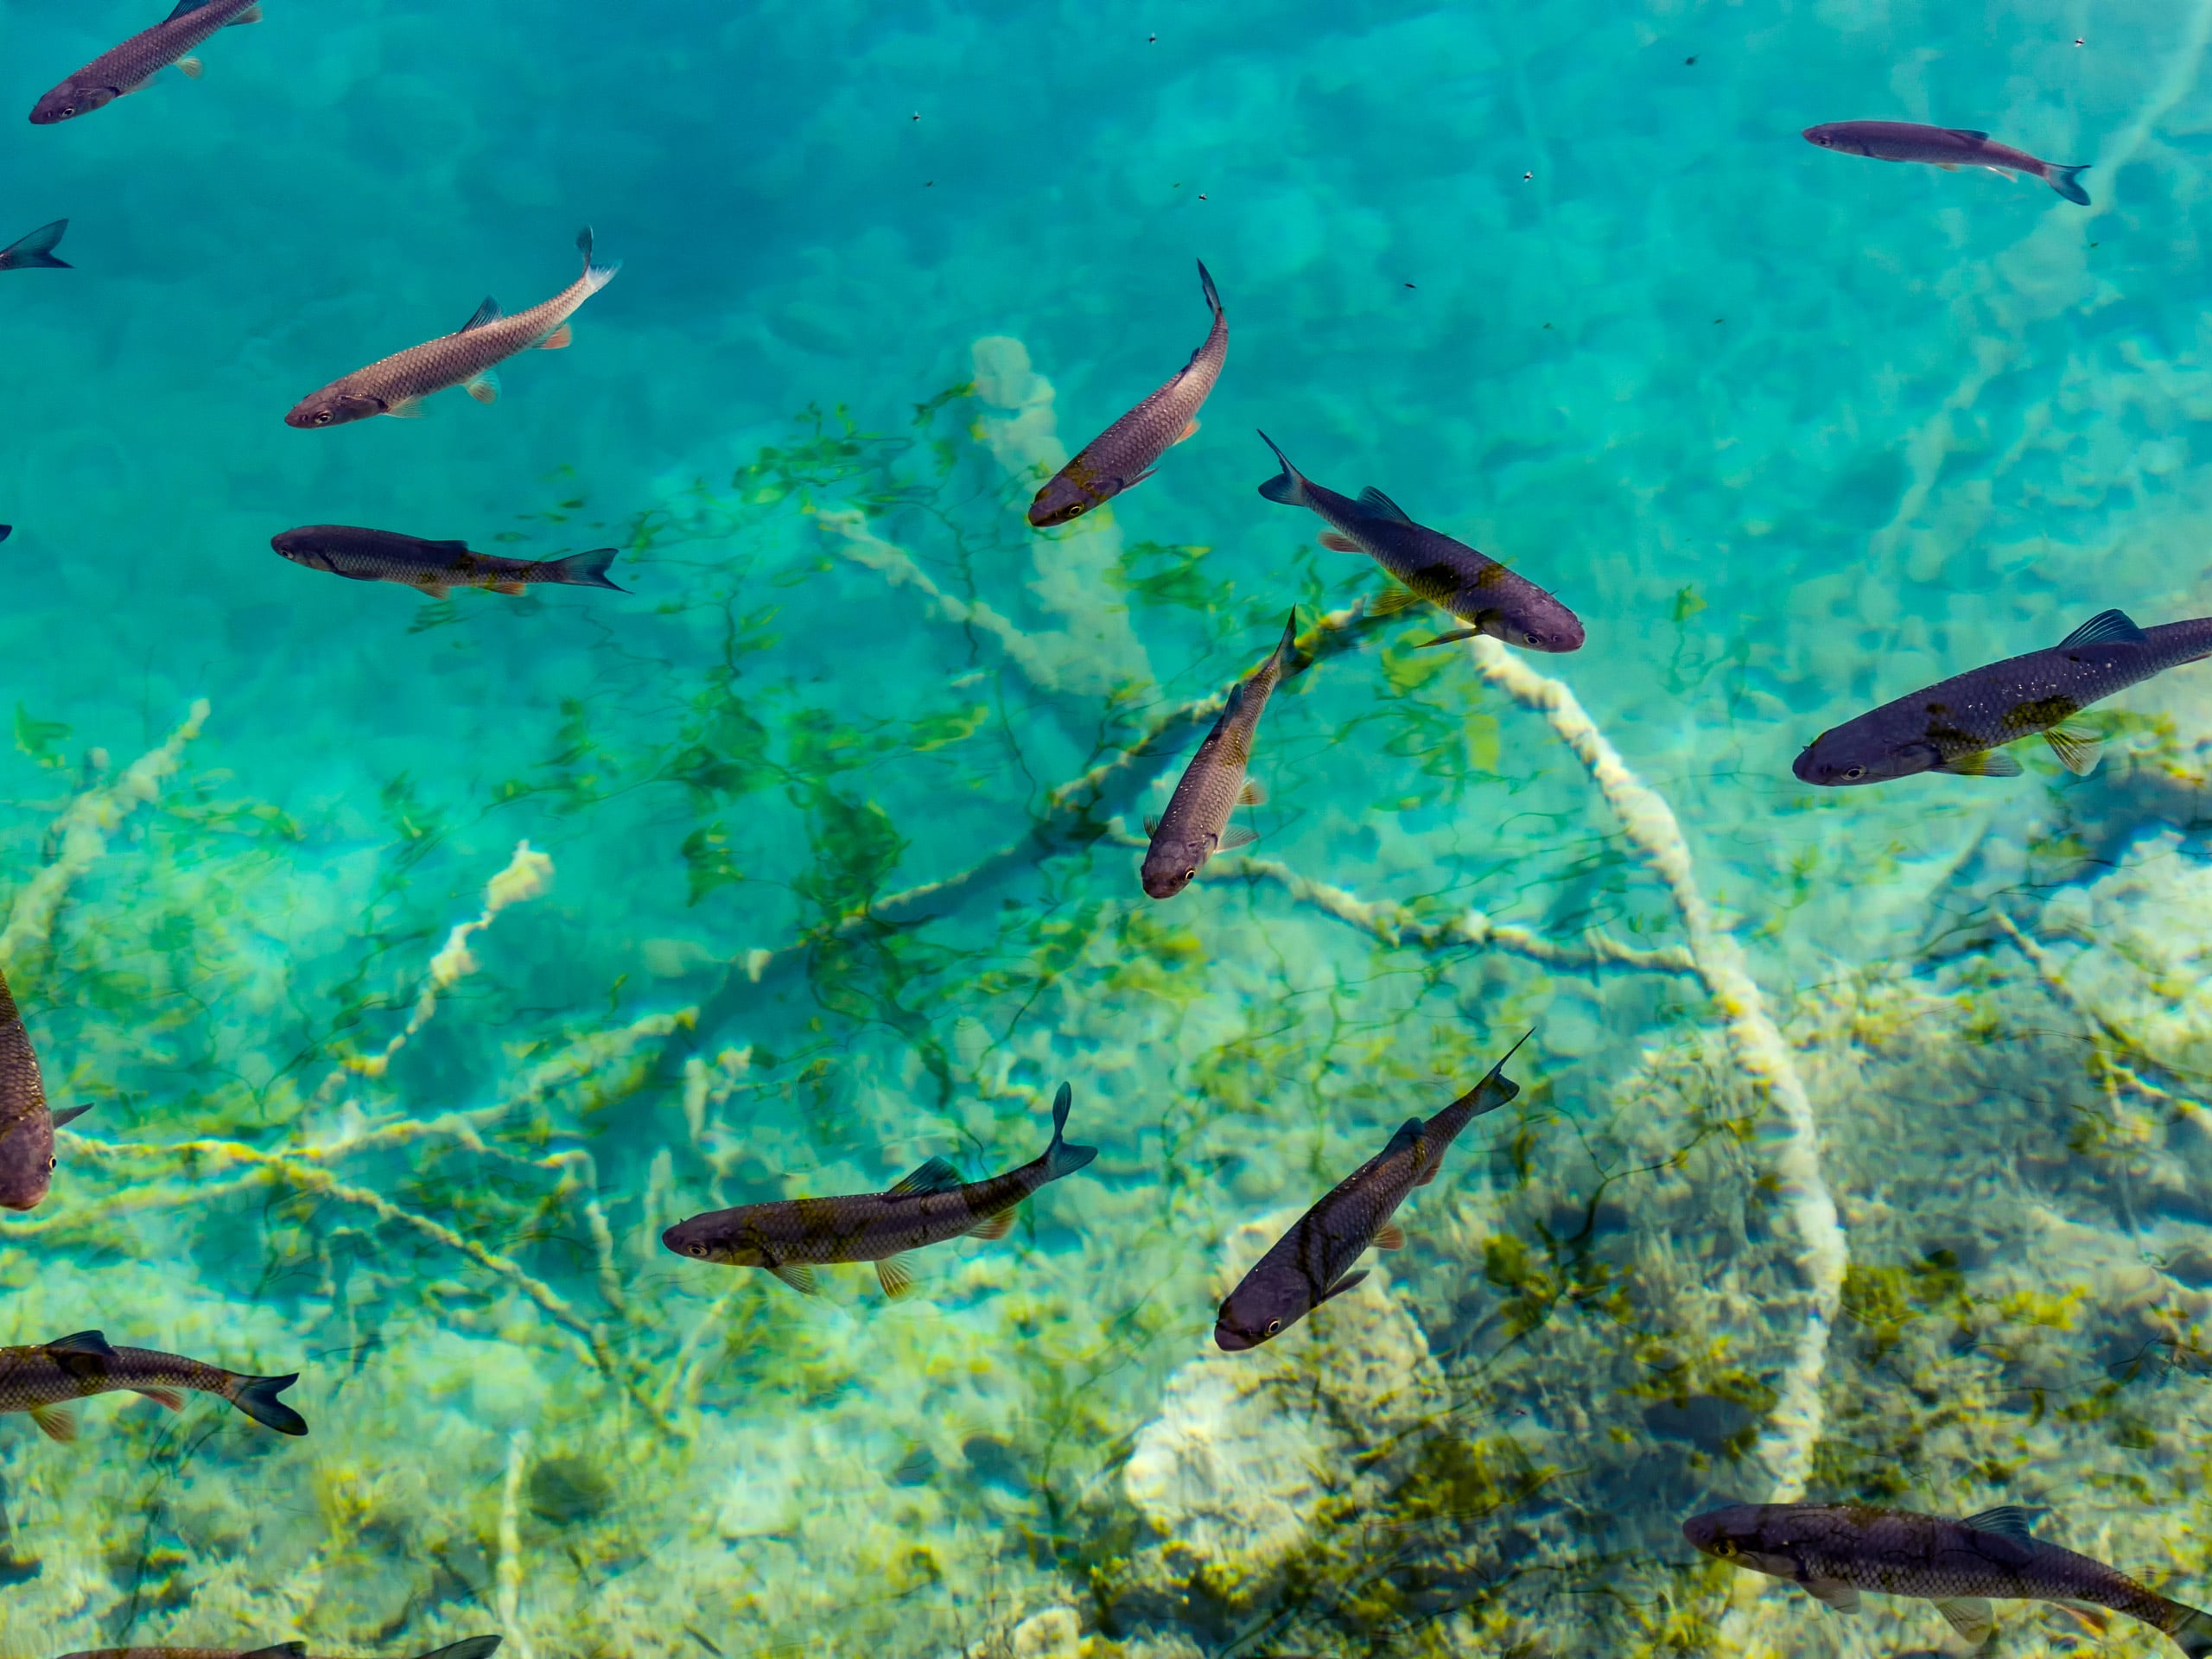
[
  {"x": 1053, "y": 1634},
  {"x": 565, "y": 1490}
]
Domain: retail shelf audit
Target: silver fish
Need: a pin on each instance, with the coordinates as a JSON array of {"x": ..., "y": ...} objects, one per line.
[
  {"x": 36, "y": 251},
  {"x": 398, "y": 383},
  {"x": 1957, "y": 725},
  {"x": 1310, "y": 1263},
  {"x": 1948, "y": 148},
  {"x": 1835, "y": 1550},
  {"x": 791, "y": 1236},
  {"x": 1428, "y": 565},
  {"x": 27, "y": 1125},
  {"x": 1195, "y": 826},
  {"x": 474, "y": 1647},
  {"x": 1125, "y": 453},
  {"x": 45, "y": 1378},
  {"x": 433, "y": 568},
  {"x": 128, "y": 67}
]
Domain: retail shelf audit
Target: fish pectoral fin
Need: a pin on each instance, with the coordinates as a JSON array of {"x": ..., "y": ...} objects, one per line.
[
  {"x": 1186, "y": 432},
  {"x": 1234, "y": 836},
  {"x": 484, "y": 387},
  {"x": 1982, "y": 763},
  {"x": 1254, "y": 793},
  {"x": 560, "y": 340},
  {"x": 935, "y": 1176},
  {"x": 2077, "y": 748},
  {"x": 1965, "y": 132},
  {"x": 2006, "y": 173},
  {"x": 56, "y": 1422},
  {"x": 168, "y": 1397},
  {"x": 1970, "y": 1617},
  {"x": 996, "y": 1226},
  {"x": 192, "y": 66},
  {"x": 436, "y": 589},
  {"x": 71, "y": 1116},
  {"x": 1948, "y": 166},
  {"x": 1349, "y": 1282},
  {"x": 1383, "y": 506},
  {"x": 2105, "y": 628},
  {"x": 2014, "y": 1521},
  {"x": 250, "y": 15},
  {"x": 1131, "y": 483},
  {"x": 483, "y": 316},
  {"x": 1151, "y": 823},
  {"x": 510, "y": 587},
  {"x": 282, "y": 1650},
  {"x": 799, "y": 1275},
  {"x": 896, "y": 1274},
  {"x": 1394, "y": 600},
  {"x": 1392, "y": 1237},
  {"x": 1452, "y": 638},
  {"x": 1834, "y": 1594},
  {"x": 82, "y": 1342},
  {"x": 1337, "y": 542},
  {"x": 407, "y": 409}
]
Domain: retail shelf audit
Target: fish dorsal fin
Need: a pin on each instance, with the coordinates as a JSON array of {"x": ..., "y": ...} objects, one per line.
[
  {"x": 1408, "y": 1134},
  {"x": 1835, "y": 1593},
  {"x": 81, "y": 1341},
  {"x": 935, "y": 1176},
  {"x": 2011, "y": 1521},
  {"x": 71, "y": 1116},
  {"x": 1967, "y": 132},
  {"x": 184, "y": 6},
  {"x": 2105, "y": 628},
  {"x": 279, "y": 1650},
  {"x": 487, "y": 314},
  {"x": 1970, "y": 1617},
  {"x": 1982, "y": 763},
  {"x": 448, "y": 547},
  {"x": 1383, "y": 506},
  {"x": 2076, "y": 746}
]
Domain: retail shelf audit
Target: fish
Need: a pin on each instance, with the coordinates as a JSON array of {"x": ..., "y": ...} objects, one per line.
[
  {"x": 398, "y": 383},
  {"x": 1836, "y": 1550},
  {"x": 1310, "y": 1263},
  {"x": 1948, "y": 148},
  {"x": 42, "y": 1380},
  {"x": 791, "y": 1236},
  {"x": 6, "y": 531},
  {"x": 36, "y": 251},
  {"x": 473, "y": 1647},
  {"x": 1428, "y": 565},
  {"x": 1961, "y": 724},
  {"x": 435, "y": 568},
  {"x": 128, "y": 67},
  {"x": 27, "y": 1127},
  {"x": 1196, "y": 825},
  {"x": 1128, "y": 452}
]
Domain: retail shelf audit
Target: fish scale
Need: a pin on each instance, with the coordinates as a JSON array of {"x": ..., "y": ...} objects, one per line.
[
  {"x": 123, "y": 69},
  {"x": 1195, "y": 825}
]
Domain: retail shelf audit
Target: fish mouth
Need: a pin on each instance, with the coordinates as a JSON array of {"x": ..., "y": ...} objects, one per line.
[{"x": 1230, "y": 1340}]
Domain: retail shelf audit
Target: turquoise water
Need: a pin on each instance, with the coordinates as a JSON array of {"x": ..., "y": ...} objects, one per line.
[{"x": 813, "y": 889}]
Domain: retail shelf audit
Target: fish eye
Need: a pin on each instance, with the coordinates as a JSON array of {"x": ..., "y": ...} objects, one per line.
[
  {"x": 1853, "y": 774},
  {"x": 1077, "y": 510},
  {"x": 1274, "y": 1325},
  {"x": 322, "y": 417},
  {"x": 53, "y": 1163},
  {"x": 698, "y": 1251},
  {"x": 1189, "y": 875}
]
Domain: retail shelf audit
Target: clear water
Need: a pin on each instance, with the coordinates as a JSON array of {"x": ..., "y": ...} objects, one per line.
[{"x": 1794, "y": 433}]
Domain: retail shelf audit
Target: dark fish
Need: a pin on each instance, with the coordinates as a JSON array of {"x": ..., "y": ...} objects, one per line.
[
  {"x": 474, "y": 1647},
  {"x": 791, "y": 1236},
  {"x": 36, "y": 251},
  {"x": 433, "y": 567},
  {"x": 1957, "y": 725},
  {"x": 398, "y": 383},
  {"x": 41, "y": 1380},
  {"x": 6, "y": 531},
  {"x": 1195, "y": 826},
  {"x": 1475, "y": 588},
  {"x": 138, "y": 59},
  {"x": 1312, "y": 1262},
  {"x": 1836, "y": 1550},
  {"x": 1125, "y": 453},
  {"x": 1948, "y": 148},
  {"x": 26, "y": 1126}
]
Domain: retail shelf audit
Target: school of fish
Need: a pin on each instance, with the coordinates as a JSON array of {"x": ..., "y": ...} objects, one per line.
[{"x": 1959, "y": 726}]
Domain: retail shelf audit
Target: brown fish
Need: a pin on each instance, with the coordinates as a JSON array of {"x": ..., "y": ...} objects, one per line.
[
  {"x": 473, "y": 1647},
  {"x": 433, "y": 568},
  {"x": 1835, "y": 1550},
  {"x": 1948, "y": 148},
  {"x": 1310, "y": 1263},
  {"x": 128, "y": 67},
  {"x": 398, "y": 383},
  {"x": 27, "y": 1127},
  {"x": 42, "y": 1380},
  {"x": 1125, "y": 453},
  {"x": 789, "y": 1237}
]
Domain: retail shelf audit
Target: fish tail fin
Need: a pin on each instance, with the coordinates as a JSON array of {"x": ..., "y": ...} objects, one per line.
[
  {"x": 596, "y": 274},
  {"x": 1205, "y": 283},
  {"x": 36, "y": 251},
  {"x": 474, "y": 1647},
  {"x": 2064, "y": 180},
  {"x": 1287, "y": 487},
  {"x": 586, "y": 569},
  {"x": 1287, "y": 660},
  {"x": 1060, "y": 1158},
  {"x": 2193, "y": 1634},
  {"x": 257, "y": 1397}
]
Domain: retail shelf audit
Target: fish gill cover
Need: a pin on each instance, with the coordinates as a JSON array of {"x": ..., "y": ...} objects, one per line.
[{"x": 422, "y": 959}]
